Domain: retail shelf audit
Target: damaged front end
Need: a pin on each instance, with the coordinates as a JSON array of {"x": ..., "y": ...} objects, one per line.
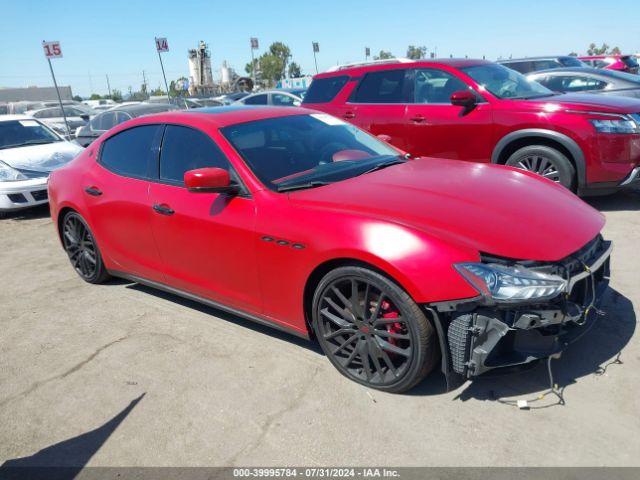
[{"x": 526, "y": 310}]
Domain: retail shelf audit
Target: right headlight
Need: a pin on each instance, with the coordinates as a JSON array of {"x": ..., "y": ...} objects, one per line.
[
  {"x": 511, "y": 284},
  {"x": 625, "y": 124},
  {"x": 9, "y": 174}
]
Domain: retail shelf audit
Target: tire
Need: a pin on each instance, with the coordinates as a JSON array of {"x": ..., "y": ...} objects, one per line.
[
  {"x": 389, "y": 345},
  {"x": 82, "y": 249},
  {"x": 546, "y": 162}
]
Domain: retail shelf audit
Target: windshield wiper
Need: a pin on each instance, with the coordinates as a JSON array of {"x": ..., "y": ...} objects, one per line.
[
  {"x": 382, "y": 165},
  {"x": 301, "y": 186},
  {"x": 28, "y": 142}
]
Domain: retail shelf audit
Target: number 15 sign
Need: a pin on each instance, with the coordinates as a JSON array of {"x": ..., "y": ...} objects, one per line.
[
  {"x": 162, "y": 45},
  {"x": 52, "y": 49}
]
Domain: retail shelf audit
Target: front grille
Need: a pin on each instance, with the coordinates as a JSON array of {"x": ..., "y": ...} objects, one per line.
[{"x": 40, "y": 195}]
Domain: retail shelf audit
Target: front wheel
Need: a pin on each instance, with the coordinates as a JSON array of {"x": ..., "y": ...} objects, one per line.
[
  {"x": 82, "y": 249},
  {"x": 546, "y": 162},
  {"x": 372, "y": 331}
]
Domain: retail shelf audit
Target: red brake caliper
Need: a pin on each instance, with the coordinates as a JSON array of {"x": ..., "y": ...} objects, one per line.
[{"x": 389, "y": 312}]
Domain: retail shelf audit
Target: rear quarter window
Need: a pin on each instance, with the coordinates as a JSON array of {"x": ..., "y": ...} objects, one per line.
[
  {"x": 130, "y": 153},
  {"x": 323, "y": 90}
]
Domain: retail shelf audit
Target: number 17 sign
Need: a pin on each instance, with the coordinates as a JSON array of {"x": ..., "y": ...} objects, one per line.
[
  {"x": 162, "y": 45},
  {"x": 52, "y": 49}
]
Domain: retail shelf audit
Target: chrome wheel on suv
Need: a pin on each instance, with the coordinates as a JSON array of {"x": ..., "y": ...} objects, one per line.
[{"x": 546, "y": 162}]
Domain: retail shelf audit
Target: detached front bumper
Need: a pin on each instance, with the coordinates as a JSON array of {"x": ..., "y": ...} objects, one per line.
[
  {"x": 23, "y": 194},
  {"x": 476, "y": 337}
]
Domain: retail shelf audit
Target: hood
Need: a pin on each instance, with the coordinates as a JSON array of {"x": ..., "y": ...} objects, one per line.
[
  {"x": 588, "y": 103},
  {"x": 493, "y": 209},
  {"x": 40, "y": 158}
]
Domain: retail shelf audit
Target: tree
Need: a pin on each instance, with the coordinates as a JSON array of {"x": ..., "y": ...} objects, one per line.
[
  {"x": 116, "y": 95},
  {"x": 602, "y": 50},
  {"x": 383, "y": 55},
  {"x": 176, "y": 87},
  {"x": 416, "y": 53},
  {"x": 77, "y": 98},
  {"x": 158, "y": 92},
  {"x": 271, "y": 64},
  {"x": 294, "y": 70},
  {"x": 95, "y": 96}
]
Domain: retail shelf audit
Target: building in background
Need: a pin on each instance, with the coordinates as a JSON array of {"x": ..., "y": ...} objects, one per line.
[
  {"x": 300, "y": 82},
  {"x": 200, "y": 74},
  {"x": 34, "y": 94}
]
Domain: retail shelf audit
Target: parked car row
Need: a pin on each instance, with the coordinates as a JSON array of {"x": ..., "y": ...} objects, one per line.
[
  {"x": 623, "y": 63},
  {"x": 480, "y": 111}
]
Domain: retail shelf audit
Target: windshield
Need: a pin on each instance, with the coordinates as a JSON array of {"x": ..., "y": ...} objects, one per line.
[
  {"x": 506, "y": 83},
  {"x": 304, "y": 151},
  {"x": 18, "y": 133}
]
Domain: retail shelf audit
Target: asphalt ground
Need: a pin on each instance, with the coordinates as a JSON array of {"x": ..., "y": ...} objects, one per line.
[{"x": 123, "y": 375}]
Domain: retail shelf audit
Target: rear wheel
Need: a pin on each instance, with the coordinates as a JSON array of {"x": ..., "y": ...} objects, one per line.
[
  {"x": 372, "y": 331},
  {"x": 546, "y": 162},
  {"x": 82, "y": 249}
]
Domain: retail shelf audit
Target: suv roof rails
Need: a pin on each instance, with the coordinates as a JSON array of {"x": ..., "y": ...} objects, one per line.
[{"x": 344, "y": 66}]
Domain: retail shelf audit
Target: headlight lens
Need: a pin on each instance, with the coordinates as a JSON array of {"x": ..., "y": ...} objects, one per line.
[
  {"x": 9, "y": 174},
  {"x": 627, "y": 124},
  {"x": 511, "y": 284}
]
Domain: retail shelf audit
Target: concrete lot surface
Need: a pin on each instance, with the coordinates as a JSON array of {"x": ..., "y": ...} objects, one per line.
[{"x": 122, "y": 375}]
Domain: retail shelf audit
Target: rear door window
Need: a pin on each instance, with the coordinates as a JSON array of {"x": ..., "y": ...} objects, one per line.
[
  {"x": 130, "y": 153},
  {"x": 185, "y": 149},
  {"x": 522, "y": 67},
  {"x": 323, "y": 90},
  {"x": 256, "y": 100},
  {"x": 384, "y": 86}
]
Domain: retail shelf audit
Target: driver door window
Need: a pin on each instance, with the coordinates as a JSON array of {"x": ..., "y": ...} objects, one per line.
[
  {"x": 185, "y": 149},
  {"x": 282, "y": 100},
  {"x": 435, "y": 86}
]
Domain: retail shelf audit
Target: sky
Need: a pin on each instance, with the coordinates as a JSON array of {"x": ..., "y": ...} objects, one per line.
[{"x": 116, "y": 37}]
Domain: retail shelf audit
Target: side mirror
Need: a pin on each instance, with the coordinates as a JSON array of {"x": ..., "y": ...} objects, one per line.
[
  {"x": 463, "y": 98},
  {"x": 84, "y": 117},
  {"x": 297, "y": 103},
  {"x": 209, "y": 180}
]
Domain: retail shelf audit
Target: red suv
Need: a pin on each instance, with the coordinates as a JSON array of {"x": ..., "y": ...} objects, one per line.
[
  {"x": 623, "y": 63},
  {"x": 481, "y": 111}
]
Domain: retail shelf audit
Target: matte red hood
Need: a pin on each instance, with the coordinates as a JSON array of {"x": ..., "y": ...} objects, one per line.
[{"x": 492, "y": 209}]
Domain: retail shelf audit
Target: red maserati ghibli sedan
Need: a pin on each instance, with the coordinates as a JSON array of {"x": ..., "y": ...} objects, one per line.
[{"x": 299, "y": 220}]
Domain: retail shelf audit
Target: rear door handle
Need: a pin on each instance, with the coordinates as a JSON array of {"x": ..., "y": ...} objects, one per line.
[
  {"x": 163, "y": 209},
  {"x": 93, "y": 191},
  {"x": 417, "y": 119},
  {"x": 349, "y": 115}
]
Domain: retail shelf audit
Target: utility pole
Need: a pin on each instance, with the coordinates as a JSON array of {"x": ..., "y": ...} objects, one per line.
[
  {"x": 108, "y": 85},
  {"x": 254, "y": 46},
  {"x": 144, "y": 84},
  {"x": 316, "y": 49}
]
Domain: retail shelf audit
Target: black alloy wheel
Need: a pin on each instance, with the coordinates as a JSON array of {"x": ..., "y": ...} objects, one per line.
[
  {"x": 81, "y": 247},
  {"x": 372, "y": 331}
]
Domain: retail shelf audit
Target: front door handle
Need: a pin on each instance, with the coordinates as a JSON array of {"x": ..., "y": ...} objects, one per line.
[
  {"x": 163, "y": 209},
  {"x": 93, "y": 191},
  {"x": 417, "y": 119},
  {"x": 349, "y": 115}
]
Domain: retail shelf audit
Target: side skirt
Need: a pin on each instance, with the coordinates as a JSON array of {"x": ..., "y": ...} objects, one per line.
[{"x": 209, "y": 303}]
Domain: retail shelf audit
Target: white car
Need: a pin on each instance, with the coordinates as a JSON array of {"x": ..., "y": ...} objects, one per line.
[{"x": 29, "y": 151}]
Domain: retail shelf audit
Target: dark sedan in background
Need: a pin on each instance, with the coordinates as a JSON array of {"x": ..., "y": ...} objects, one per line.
[
  {"x": 589, "y": 80},
  {"x": 114, "y": 116}
]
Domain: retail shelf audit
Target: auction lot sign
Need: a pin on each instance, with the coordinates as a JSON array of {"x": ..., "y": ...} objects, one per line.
[
  {"x": 52, "y": 49},
  {"x": 162, "y": 45}
]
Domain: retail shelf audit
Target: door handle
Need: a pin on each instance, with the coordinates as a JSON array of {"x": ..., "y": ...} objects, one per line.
[
  {"x": 417, "y": 119},
  {"x": 349, "y": 115},
  {"x": 163, "y": 209},
  {"x": 93, "y": 191}
]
